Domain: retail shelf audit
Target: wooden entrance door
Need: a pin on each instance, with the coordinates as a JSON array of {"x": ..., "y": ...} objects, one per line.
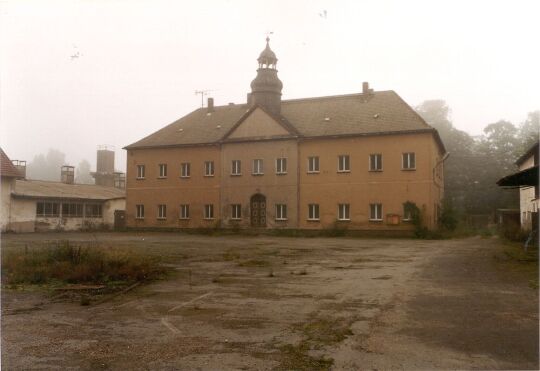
[
  {"x": 258, "y": 211},
  {"x": 119, "y": 219}
]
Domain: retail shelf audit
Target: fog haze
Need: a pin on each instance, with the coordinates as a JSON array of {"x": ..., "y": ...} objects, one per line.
[{"x": 78, "y": 74}]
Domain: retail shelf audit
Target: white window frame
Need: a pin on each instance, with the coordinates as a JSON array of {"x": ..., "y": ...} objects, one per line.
[
  {"x": 236, "y": 167},
  {"x": 162, "y": 171},
  {"x": 141, "y": 170},
  {"x": 344, "y": 212},
  {"x": 375, "y": 212},
  {"x": 258, "y": 167},
  {"x": 406, "y": 214},
  {"x": 406, "y": 161},
  {"x": 313, "y": 212},
  {"x": 344, "y": 164},
  {"x": 208, "y": 211},
  {"x": 236, "y": 211},
  {"x": 312, "y": 161},
  {"x": 139, "y": 211},
  {"x": 281, "y": 165},
  {"x": 281, "y": 211},
  {"x": 378, "y": 162},
  {"x": 209, "y": 168},
  {"x": 184, "y": 211},
  {"x": 162, "y": 211},
  {"x": 52, "y": 206},
  {"x": 185, "y": 170}
]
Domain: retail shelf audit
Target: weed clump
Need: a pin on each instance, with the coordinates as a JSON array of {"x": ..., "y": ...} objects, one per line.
[{"x": 67, "y": 263}]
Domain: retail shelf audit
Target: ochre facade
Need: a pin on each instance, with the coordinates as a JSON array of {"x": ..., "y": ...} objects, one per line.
[{"x": 359, "y": 187}]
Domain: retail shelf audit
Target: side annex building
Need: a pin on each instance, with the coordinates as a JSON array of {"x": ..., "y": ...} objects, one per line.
[{"x": 349, "y": 160}]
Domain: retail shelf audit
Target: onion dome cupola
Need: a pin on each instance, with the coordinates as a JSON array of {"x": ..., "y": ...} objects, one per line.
[{"x": 266, "y": 87}]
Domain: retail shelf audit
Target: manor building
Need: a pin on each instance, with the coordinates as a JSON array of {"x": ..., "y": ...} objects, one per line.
[{"x": 314, "y": 163}]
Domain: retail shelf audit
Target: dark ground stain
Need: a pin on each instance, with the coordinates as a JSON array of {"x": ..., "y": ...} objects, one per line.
[{"x": 492, "y": 311}]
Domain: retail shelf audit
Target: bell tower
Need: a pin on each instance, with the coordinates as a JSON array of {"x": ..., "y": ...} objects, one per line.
[{"x": 266, "y": 87}]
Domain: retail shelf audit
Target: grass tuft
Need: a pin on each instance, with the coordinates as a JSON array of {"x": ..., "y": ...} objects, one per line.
[{"x": 67, "y": 263}]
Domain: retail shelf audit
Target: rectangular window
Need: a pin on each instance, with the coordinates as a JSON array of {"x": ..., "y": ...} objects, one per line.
[
  {"x": 258, "y": 167},
  {"x": 375, "y": 212},
  {"x": 208, "y": 211},
  {"x": 185, "y": 170},
  {"x": 313, "y": 212},
  {"x": 281, "y": 212},
  {"x": 72, "y": 210},
  {"x": 139, "y": 211},
  {"x": 281, "y": 165},
  {"x": 375, "y": 162},
  {"x": 47, "y": 209},
  {"x": 406, "y": 213},
  {"x": 162, "y": 211},
  {"x": 236, "y": 211},
  {"x": 236, "y": 167},
  {"x": 140, "y": 171},
  {"x": 313, "y": 164},
  {"x": 92, "y": 211},
  {"x": 344, "y": 163},
  {"x": 162, "y": 170},
  {"x": 409, "y": 161},
  {"x": 343, "y": 212},
  {"x": 184, "y": 211},
  {"x": 209, "y": 168}
]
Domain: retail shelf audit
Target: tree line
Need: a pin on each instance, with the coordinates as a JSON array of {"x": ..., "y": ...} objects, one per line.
[{"x": 476, "y": 163}]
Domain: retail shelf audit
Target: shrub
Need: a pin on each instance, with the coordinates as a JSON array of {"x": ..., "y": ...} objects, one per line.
[{"x": 76, "y": 264}]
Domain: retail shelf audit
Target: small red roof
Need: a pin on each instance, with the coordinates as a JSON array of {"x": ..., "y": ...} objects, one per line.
[{"x": 7, "y": 169}]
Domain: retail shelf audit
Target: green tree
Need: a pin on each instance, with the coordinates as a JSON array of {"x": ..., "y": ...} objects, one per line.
[
  {"x": 529, "y": 131},
  {"x": 83, "y": 173},
  {"x": 46, "y": 167}
]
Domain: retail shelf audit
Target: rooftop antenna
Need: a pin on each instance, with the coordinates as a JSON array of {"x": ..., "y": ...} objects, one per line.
[{"x": 202, "y": 93}]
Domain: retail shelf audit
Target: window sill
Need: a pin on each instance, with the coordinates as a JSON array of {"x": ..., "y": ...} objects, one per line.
[
  {"x": 344, "y": 220},
  {"x": 208, "y": 218},
  {"x": 162, "y": 177},
  {"x": 281, "y": 173},
  {"x": 161, "y": 218},
  {"x": 257, "y": 174},
  {"x": 376, "y": 171},
  {"x": 406, "y": 220},
  {"x": 184, "y": 219},
  {"x": 412, "y": 169},
  {"x": 375, "y": 220},
  {"x": 208, "y": 176},
  {"x": 281, "y": 219},
  {"x": 343, "y": 171},
  {"x": 236, "y": 219},
  {"x": 236, "y": 174},
  {"x": 313, "y": 220},
  {"x": 140, "y": 178},
  {"x": 313, "y": 172},
  {"x": 185, "y": 177}
]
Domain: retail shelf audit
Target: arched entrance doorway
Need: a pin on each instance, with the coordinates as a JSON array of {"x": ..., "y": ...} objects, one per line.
[{"x": 258, "y": 210}]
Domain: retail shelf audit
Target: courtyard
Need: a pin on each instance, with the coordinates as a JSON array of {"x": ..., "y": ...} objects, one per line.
[{"x": 263, "y": 302}]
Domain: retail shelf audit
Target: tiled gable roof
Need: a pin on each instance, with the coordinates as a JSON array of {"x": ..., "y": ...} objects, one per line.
[
  {"x": 7, "y": 169},
  {"x": 374, "y": 113},
  {"x": 48, "y": 189}
]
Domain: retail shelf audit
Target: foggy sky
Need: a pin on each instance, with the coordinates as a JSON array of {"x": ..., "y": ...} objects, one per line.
[{"x": 139, "y": 62}]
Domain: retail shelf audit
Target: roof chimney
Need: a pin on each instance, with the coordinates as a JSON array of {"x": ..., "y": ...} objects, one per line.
[
  {"x": 68, "y": 174},
  {"x": 210, "y": 104},
  {"x": 21, "y": 167},
  {"x": 365, "y": 88}
]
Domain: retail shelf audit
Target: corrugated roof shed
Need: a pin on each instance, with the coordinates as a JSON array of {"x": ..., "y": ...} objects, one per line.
[
  {"x": 7, "y": 169},
  {"x": 47, "y": 189},
  {"x": 382, "y": 112}
]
